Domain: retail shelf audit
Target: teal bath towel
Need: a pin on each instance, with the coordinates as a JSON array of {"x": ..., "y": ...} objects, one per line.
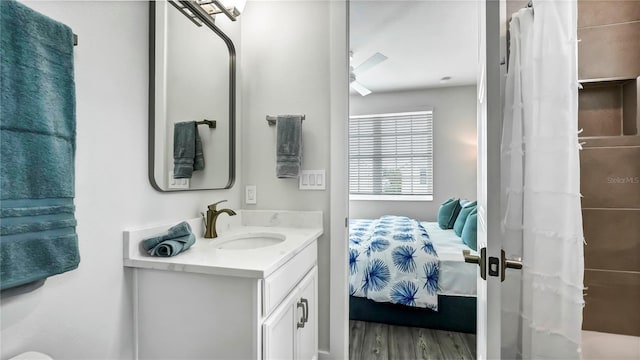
[
  {"x": 178, "y": 239},
  {"x": 37, "y": 145},
  {"x": 187, "y": 150}
]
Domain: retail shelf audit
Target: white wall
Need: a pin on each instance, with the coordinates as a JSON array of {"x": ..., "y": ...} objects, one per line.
[
  {"x": 454, "y": 141},
  {"x": 87, "y": 313},
  {"x": 285, "y": 47}
]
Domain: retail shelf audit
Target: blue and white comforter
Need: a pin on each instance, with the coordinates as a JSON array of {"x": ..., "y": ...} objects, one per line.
[{"x": 391, "y": 259}]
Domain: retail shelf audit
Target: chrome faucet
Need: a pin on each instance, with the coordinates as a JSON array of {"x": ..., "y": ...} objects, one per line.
[{"x": 212, "y": 217}]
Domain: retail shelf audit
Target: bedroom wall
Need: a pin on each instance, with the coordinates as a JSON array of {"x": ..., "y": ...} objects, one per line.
[
  {"x": 87, "y": 313},
  {"x": 454, "y": 141}
]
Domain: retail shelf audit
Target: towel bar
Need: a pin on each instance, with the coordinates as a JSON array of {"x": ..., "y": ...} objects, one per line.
[
  {"x": 272, "y": 119},
  {"x": 210, "y": 123}
]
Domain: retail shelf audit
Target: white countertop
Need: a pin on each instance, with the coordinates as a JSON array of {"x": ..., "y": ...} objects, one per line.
[{"x": 205, "y": 257}]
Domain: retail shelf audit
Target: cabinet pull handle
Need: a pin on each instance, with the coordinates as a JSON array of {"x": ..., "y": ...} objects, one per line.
[
  {"x": 306, "y": 309},
  {"x": 300, "y": 323}
]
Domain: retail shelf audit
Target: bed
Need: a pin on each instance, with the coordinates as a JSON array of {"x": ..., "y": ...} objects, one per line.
[{"x": 406, "y": 299}]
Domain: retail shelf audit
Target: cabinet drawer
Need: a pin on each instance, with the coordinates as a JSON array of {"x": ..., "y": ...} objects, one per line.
[{"x": 279, "y": 284}]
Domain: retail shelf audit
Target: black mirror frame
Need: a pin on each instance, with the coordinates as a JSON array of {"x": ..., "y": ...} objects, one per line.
[{"x": 205, "y": 19}]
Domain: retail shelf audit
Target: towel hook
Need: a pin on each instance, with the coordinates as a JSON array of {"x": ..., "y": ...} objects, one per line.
[{"x": 272, "y": 119}]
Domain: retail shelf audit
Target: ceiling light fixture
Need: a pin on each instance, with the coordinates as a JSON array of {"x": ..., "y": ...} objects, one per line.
[{"x": 231, "y": 8}]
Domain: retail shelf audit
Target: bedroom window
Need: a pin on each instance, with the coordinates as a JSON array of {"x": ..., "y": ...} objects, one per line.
[{"x": 391, "y": 156}]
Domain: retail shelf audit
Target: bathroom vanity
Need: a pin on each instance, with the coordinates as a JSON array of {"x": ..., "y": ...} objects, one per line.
[{"x": 251, "y": 293}]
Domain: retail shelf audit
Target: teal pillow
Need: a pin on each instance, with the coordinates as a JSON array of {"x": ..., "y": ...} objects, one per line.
[
  {"x": 470, "y": 230},
  {"x": 448, "y": 213},
  {"x": 462, "y": 217}
]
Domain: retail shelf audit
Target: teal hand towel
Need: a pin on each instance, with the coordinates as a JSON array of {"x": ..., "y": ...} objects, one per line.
[
  {"x": 288, "y": 146},
  {"x": 187, "y": 150},
  {"x": 37, "y": 145},
  {"x": 176, "y": 240},
  {"x": 198, "y": 160}
]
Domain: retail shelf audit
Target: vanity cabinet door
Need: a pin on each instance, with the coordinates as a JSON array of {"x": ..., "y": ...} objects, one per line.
[
  {"x": 307, "y": 318},
  {"x": 291, "y": 331},
  {"x": 279, "y": 333}
]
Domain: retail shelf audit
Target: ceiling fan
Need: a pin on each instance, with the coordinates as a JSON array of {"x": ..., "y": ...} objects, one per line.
[{"x": 372, "y": 61}]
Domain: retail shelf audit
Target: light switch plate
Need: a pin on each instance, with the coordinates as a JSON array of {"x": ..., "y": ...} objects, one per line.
[
  {"x": 312, "y": 180},
  {"x": 250, "y": 195},
  {"x": 177, "y": 183}
]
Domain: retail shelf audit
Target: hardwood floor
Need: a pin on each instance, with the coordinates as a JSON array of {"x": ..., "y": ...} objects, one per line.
[{"x": 369, "y": 340}]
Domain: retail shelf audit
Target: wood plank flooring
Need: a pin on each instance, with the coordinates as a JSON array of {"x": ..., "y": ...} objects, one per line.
[{"x": 368, "y": 340}]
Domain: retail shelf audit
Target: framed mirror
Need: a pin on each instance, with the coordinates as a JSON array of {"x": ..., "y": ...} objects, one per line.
[{"x": 191, "y": 99}]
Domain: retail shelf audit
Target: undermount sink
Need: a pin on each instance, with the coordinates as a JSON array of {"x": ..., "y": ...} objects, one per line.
[{"x": 250, "y": 241}]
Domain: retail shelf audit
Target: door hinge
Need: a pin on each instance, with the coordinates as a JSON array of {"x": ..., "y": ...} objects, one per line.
[{"x": 346, "y": 222}]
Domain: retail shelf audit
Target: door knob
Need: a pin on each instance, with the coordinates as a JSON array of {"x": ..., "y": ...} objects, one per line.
[
  {"x": 509, "y": 263},
  {"x": 475, "y": 259},
  {"x": 481, "y": 260}
]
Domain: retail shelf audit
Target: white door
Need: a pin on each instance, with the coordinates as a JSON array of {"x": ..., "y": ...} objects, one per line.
[
  {"x": 541, "y": 319},
  {"x": 491, "y": 58}
]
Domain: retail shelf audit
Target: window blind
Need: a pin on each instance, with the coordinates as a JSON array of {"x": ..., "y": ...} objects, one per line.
[{"x": 391, "y": 154}]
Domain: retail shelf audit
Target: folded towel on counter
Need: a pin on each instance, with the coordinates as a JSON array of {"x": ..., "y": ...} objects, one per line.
[
  {"x": 187, "y": 150},
  {"x": 176, "y": 240},
  {"x": 288, "y": 146},
  {"x": 37, "y": 146}
]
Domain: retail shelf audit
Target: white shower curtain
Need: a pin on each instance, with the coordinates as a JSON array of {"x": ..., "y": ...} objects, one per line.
[{"x": 542, "y": 219}]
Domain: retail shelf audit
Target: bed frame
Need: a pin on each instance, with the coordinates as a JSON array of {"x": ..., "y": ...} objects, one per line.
[{"x": 455, "y": 313}]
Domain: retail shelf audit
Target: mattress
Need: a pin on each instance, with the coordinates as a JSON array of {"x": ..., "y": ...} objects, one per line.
[{"x": 457, "y": 278}]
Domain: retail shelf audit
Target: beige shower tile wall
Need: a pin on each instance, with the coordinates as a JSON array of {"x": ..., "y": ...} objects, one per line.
[
  {"x": 612, "y": 239},
  {"x": 631, "y": 106},
  {"x": 609, "y": 39},
  {"x": 612, "y": 300},
  {"x": 600, "y": 111},
  {"x": 594, "y": 13},
  {"x": 609, "y": 176},
  {"x": 612, "y": 51},
  {"x": 610, "y": 184},
  {"x": 610, "y": 164}
]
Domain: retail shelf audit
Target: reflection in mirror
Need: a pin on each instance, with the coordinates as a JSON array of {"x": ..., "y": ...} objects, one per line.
[{"x": 192, "y": 80}]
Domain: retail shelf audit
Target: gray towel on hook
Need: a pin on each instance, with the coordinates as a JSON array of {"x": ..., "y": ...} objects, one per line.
[
  {"x": 288, "y": 146},
  {"x": 187, "y": 150}
]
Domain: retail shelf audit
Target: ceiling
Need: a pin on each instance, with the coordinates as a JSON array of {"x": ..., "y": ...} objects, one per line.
[{"x": 424, "y": 41}]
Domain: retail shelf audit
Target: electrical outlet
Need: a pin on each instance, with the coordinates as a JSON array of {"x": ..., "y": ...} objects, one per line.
[{"x": 250, "y": 195}]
